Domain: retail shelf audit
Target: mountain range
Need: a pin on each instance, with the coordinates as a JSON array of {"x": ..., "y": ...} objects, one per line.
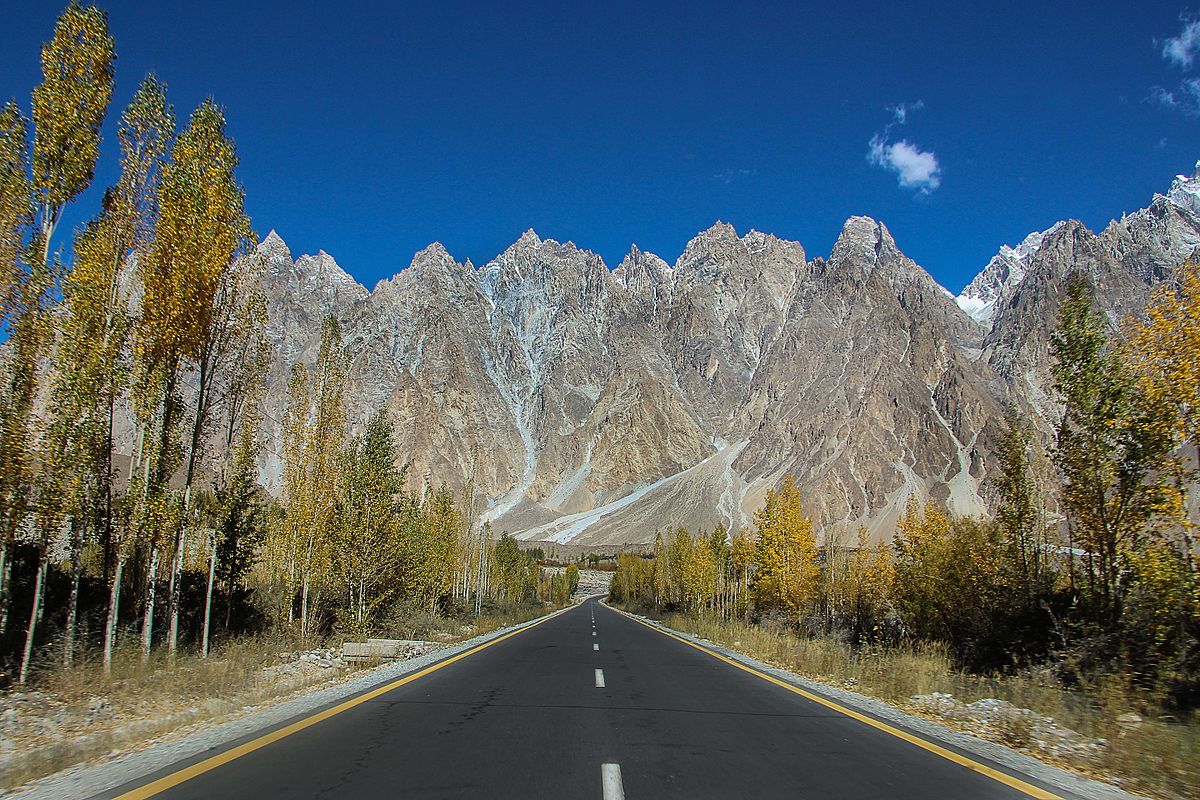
[{"x": 597, "y": 406}]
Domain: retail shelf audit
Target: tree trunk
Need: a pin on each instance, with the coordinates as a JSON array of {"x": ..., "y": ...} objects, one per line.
[
  {"x": 114, "y": 603},
  {"x": 304, "y": 611},
  {"x": 5, "y": 583},
  {"x": 73, "y": 599},
  {"x": 35, "y": 613},
  {"x": 181, "y": 534},
  {"x": 229, "y": 603},
  {"x": 148, "y": 615},
  {"x": 177, "y": 578},
  {"x": 212, "y": 574},
  {"x": 108, "y": 486}
]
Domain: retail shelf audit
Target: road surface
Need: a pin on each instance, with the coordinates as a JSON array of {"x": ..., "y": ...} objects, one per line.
[{"x": 589, "y": 704}]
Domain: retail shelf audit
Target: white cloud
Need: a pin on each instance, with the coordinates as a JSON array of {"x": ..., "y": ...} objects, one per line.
[
  {"x": 1185, "y": 99},
  {"x": 1183, "y": 49},
  {"x": 900, "y": 112},
  {"x": 728, "y": 176},
  {"x": 916, "y": 168}
]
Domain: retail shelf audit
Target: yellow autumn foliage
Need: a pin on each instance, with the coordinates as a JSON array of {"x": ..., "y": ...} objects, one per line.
[{"x": 786, "y": 572}]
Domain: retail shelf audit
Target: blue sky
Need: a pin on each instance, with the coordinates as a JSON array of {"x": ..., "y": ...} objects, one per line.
[{"x": 371, "y": 133}]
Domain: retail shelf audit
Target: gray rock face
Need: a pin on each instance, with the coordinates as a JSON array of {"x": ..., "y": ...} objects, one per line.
[{"x": 598, "y": 406}]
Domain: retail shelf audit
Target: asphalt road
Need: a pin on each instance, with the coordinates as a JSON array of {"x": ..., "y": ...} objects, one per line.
[{"x": 588, "y": 704}]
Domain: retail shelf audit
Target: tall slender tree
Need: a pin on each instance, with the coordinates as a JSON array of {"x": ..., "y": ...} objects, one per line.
[
  {"x": 786, "y": 572},
  {"x": 146, "y": 133},
  {"x": 367, "y": 552},
  {"x": 69, "y": 106},
  {"x": 16, "y": 217},
  {"x": 90, "y": 354},
  {"x": 1020, "y": 512},
  {"x": 314, "y": 433},
  {"x": 1109, "y": 446},
  {"x": 189, "y": 300}
]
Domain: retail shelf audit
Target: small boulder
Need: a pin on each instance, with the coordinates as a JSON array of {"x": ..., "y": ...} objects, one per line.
[{"x": 1129, "y": 720}]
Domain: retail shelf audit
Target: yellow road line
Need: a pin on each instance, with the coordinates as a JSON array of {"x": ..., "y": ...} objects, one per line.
[
  {"x": 975, "y": 766},
  {"x": 200, "y": 767}
]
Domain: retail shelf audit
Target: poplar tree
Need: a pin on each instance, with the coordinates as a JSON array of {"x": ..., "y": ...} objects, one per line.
[
  {"x": 366, "y": 551},
  {"x": 90, "y": 364},
  {"x": 69, "y": 106},
  {"x": 1110, "y": 444},
  {"x": 314, "y": 430},
  {"x": 189, "y": 298},
  {"x": 718, "y": 545},
  {"x": 786, "y": 573},
  {"x": 514, "y": 570},
  {"x": 68, "y": 109},
  {"x": 700, "y": 575},
  {"x": 16, "y": 203},
  {"x": 1164, "y": 350},
  {"x": 870, "y": 575},
  {"x": 237, "y": 518},
  {"x": 16, "y": 217},
  {"x": 678, "y": 553},
  {"x": 432, "y": 555},
  {"x": 741, "y": 564},
  {"x": 131, "y": 212},
  {"x": 297, "y": 486},
  {"x": 1019, "y": 512}
]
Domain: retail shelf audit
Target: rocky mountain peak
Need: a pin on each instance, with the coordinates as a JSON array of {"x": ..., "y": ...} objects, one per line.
[
  {"x": 324, "y": 270},
  {"x": 613, "y": 404},
  {"x": 638, "y": 263},
  {"x": 515, "y": 263},
  {"x": 274, "y": 249},
  {"x": 1000, "y": 278},
  {"x": 718, "y": 240},
  {"x": 1185, "y": 191},
  {"x": 434, "y": 256},
  {"x": 864, "y": 242}
]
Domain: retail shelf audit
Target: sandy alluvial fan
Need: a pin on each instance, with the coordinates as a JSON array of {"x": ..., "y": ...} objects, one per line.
[{"x": 598, "y": 406}]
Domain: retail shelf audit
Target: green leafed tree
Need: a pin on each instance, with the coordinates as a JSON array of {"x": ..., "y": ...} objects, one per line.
[
  {"x": 366, "y": 551},
  {"x": 1110, "y": 446}
]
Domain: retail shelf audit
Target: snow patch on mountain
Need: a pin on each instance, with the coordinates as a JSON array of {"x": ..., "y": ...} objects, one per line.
[
  {"x": 1185, "y": 191},
  {"x": 1000, "y": 278}
]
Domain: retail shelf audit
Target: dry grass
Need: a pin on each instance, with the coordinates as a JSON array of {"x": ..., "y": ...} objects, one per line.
[
  {"x": 72, "y": 715},
  {"x": 1160, "y": 757}
]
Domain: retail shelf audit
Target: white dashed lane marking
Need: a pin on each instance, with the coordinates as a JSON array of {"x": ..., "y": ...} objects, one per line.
[
  {"x": 599, "y": 679},
  {"x": 610, "y": 779}
]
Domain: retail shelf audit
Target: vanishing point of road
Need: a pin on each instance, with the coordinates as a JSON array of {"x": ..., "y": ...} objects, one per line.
[{"x": 588, "y": 703}]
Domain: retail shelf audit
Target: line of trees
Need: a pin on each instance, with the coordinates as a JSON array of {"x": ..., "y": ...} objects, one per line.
[
  {"x": 150, "y": 317},
  {"x": 352, "y": 544},
  {"x": 154, "y": 306},
  {"x": 1090, "y": 562}
]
